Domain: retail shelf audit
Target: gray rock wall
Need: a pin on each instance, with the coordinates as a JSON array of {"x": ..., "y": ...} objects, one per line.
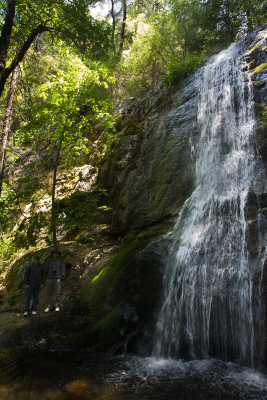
[{"x": 149, "y": 173}]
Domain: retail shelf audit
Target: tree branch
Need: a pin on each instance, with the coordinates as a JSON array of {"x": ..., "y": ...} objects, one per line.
[
  {"x": 21, "y": 53},
  {"x": 6, "y": 34}
]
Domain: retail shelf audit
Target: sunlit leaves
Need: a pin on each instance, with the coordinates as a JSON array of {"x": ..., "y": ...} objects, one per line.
[
  {"x": 72, "y": 96},
  {"x": 68, "y": 20}
]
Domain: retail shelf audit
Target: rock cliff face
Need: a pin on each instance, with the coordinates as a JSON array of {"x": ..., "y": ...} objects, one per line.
[{"x": 149, "y": 176}]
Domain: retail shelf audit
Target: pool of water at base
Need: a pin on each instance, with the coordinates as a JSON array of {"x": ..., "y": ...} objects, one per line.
[{"x": 70, "y": 376}]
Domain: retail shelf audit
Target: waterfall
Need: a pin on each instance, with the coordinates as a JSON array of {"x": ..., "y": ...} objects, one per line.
[{"x": 210, "y": 303}]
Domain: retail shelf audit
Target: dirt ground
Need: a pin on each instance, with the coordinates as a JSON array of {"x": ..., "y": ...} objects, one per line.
[{"x": 44, "y": 331}]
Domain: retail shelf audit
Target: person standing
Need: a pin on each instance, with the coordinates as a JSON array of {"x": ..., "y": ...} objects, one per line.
[
  {"x": 55, "y": 272},
  {"x": 34, "y": 278}
]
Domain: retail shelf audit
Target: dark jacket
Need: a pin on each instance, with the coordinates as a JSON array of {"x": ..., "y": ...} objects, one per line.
[
  {"x": 55, "y": 269},
  {"x": 34, "y": 275}
]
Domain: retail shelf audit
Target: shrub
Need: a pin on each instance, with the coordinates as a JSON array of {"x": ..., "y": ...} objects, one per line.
[{"x": 181, "y": 68}]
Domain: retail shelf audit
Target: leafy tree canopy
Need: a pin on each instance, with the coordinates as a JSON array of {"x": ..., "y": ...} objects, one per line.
[
  {"x": 22, "y": 21},
  {"x": 71, "y": 95}
]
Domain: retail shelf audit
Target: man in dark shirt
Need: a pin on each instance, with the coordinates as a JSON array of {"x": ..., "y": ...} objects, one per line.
[
  {"x": 34, "y": 279},
  {"x": 55, "y": 272}
]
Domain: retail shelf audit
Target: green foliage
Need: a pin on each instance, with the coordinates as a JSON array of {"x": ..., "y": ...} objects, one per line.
[
  {"x": 8, "y": 213},
  {"x": 160, "y": 32},
  {"x": 145, "y": 61},
  {"x": 79, "y": 209},
  {"x": 69, "y": 21},
  {"x": 186, "y": 17},
  {"x": 178, "y": 69},
  {"x": 63, "y": 102},
  {"x": 226, "y": 20},
  {"x": 7, "y": 249},
  {"x": 71, "y": 96}
]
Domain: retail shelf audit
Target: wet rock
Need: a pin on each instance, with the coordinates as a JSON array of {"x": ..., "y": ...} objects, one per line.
[
  {"x": 122, "y": 298},
  {"x": 251, "y": 207},
  {"x": 252, "y": 237},
  {"x": 263, "y": 200}
]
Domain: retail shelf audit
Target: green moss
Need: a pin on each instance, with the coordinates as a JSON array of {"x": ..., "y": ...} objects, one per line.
[
  {"x": 96, "y": 293},
  {"x": 257, "y": 45},
  {"x": 152, "y": 232},
  {"x": 260, "y": 68},
  {"x": 106, "y": 335},
  {"x": 264, "y": 115},
  {"x": 121, "y": 298},
  {"x": 258, "y": 83},
  {"x": 128, "y": 124}
]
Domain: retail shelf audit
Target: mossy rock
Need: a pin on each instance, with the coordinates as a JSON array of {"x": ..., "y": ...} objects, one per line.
[
  {"x": 260, "y": 68},
  {"x": 107, "y": 334},
  {"x": 123, "y": 297},
  {"x": 258, "y": 84},
  {"x": 98, "y": 292}
]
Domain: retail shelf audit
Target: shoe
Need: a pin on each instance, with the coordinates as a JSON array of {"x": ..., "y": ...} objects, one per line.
[
  {"x": 47, "y": 309},
  {"x": 26, "y": 313},
  {"x": 57, "y": 309},
  {"x": 34, "y": 312}
]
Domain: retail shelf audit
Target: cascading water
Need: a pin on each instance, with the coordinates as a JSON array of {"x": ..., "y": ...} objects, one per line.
[{"x": 211, "y": 296}]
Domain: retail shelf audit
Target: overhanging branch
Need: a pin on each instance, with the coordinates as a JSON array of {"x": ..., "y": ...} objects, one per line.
[{"x": 21, "y": 53}]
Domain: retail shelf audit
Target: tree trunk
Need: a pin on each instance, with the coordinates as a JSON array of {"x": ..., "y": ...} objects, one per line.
[
  {"x": 7, "y": 123},
  {"x": 54, "y": 185},
  {"x": 113, "y": 24},
  {"x": 6, "y": 34},
  {"x": 4, "y": 74},
  {"x": 123, "y": 27}
]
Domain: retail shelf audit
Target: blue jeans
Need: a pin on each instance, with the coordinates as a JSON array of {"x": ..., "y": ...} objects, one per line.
[{"x": 32, "y": 292}]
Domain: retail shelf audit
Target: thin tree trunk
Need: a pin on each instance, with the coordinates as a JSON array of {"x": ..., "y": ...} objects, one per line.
[
  {"x": 7, "y": 123},
  {"x": 54, "y": 185},
  {"x": 113, "y": 24},
  {"x": 123, "y": 27}
]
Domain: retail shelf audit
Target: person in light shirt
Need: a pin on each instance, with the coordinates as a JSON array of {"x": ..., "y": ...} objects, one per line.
[{"x": 55, "y": 272}]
